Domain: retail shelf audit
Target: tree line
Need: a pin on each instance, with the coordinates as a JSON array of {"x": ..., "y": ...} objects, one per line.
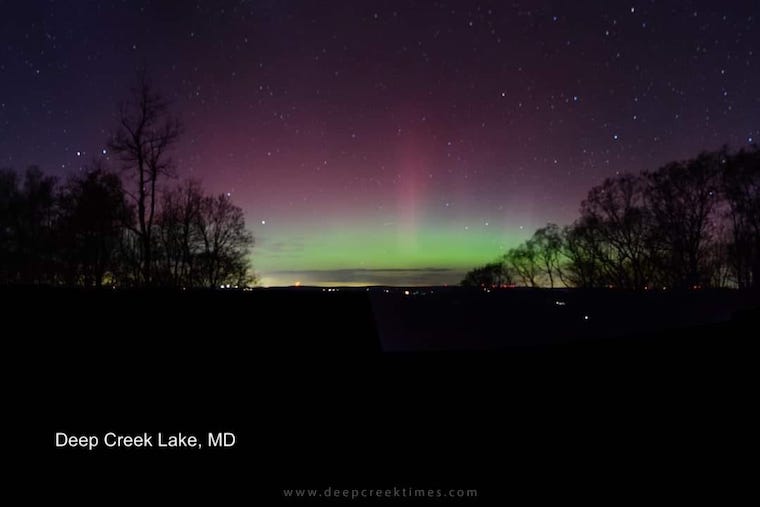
[
  {"x": 688, "y": 224},
  {"x": 129, "y": 225}
]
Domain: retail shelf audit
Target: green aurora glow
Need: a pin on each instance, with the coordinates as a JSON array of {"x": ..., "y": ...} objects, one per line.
[{"x": 434, "y": 255}]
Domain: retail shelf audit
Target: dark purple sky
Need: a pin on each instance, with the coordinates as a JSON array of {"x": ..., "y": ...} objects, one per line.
[{"x": 387, "y": 142}]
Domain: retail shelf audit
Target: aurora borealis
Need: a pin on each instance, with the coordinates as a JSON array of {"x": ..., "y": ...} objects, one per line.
[{"x": 393, "y": 142}]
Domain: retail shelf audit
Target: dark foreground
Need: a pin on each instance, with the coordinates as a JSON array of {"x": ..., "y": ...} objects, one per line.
[{"x": 525, "y": 397}]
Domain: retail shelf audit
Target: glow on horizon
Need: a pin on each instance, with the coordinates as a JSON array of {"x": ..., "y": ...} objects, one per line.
[{"x": 359, "y": 256}]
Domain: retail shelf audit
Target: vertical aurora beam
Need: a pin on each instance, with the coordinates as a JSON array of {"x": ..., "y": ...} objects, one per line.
[
  {"x": 408, "y": 192},
  {"x": 413, "y": 164}
]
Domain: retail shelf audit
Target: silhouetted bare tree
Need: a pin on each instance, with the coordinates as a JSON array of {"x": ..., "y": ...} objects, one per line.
[
  {"x": 548, "y": 244},
  {"x": 741, "y": 189},
  {"x": 85, "y": 234},
  {"x": 94, "y": 212},
  {"x": 178, "y": 235},
  {"x": 143, "y": 139},
  {"x": 682, "y": 199},
  {"x": 10, "y": 201},
  {"x": 495, "y": 274},
  {"x": 524, "y": 261},
  {"x": 27, "y": 216},
  {"x": 619, "y": 238},
  {"x": 580, "y": 245},
  {"x": 224, "y": 243}
]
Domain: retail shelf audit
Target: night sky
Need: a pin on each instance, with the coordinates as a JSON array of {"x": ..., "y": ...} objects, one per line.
[{"x": 387, "y": 142}]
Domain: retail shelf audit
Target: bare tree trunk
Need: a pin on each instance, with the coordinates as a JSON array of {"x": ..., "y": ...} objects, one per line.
[{"x": 146, "y": 133}]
